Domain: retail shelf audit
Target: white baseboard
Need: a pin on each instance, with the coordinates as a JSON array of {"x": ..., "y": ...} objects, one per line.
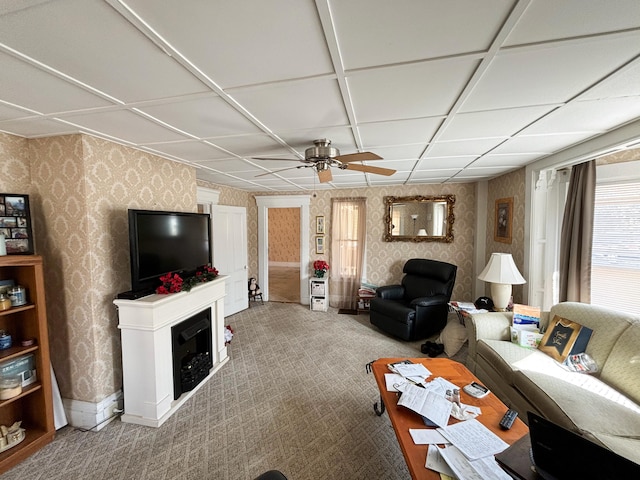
[{"x": 93, "y": 416}]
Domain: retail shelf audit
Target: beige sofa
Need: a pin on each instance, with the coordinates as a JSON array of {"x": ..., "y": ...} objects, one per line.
[{"x": 604, "y": 406}]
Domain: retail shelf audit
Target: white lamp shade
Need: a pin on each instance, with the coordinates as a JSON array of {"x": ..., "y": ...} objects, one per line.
[
  {"x": 422, "y": 232},
  {"x": 501, "y": 269}
]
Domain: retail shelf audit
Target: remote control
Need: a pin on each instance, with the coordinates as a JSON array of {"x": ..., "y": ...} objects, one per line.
[{"x": 507, "y": 421}]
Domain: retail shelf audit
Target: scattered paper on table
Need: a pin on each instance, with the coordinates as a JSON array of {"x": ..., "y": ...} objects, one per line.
[
  {"x": 465, "y": 469},
  {"x": 428, "y": 404},
  {"x": 426, "y": 436},
  {"x": 473, "y": 439},
  {"x": 437, "y": 463},
  {"x": 393, "y": 381},
  {"x": 413, "y": 370}
]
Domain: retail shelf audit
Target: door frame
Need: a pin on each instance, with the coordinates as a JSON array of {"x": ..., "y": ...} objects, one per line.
[{"x": 283, "y": 201}]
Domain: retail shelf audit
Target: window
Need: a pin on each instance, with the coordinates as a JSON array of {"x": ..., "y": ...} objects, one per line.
[{"x": 615, "y": 269}]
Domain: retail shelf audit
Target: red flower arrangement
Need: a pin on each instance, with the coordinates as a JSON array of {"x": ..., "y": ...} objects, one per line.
[
  {"x": 173, "y": 283},
  {"x": 320, "y": 267}
]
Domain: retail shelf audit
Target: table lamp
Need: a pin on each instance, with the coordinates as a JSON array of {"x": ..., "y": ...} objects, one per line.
[
  {"x": 422, "y": 232},
  {"x": 502, "y": 273}
]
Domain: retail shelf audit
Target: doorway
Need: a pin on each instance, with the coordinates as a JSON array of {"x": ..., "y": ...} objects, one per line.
[
  {"x": 265, "y": 203},
  {"x": 284, "y": 254}
]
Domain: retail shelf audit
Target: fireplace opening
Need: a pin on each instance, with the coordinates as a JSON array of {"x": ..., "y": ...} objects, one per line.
[{"x": 191, "y": 346}]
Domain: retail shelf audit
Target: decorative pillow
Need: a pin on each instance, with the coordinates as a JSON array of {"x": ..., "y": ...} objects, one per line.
[
  {"x": 564, "y": 337},
  {"x": 453, "y": 336}
]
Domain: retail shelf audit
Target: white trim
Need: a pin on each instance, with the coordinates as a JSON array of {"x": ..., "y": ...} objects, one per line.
[
  {"x": 283, "y": 201},
  {"x": 480, "y": 241},
  {"x": 88, "y": 415},
  {"x": 207, "y": 195}
]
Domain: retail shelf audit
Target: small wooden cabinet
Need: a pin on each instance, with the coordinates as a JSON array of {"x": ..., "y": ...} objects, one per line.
[
  {"x": 34, "y": 406},
  {"x": 319, "y": 294}
]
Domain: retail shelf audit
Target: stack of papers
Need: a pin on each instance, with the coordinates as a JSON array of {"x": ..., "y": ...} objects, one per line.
[{"x": 471, "y": 453}]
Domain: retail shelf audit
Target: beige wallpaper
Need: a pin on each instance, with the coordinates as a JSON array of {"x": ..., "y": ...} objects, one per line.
[
  {"x": 86, "y": 186},
  {"x": 505, "y": 186},
  {"x": 284, "y": 235},
  {"x": 15, "y": 174},
  {"x": 81, "y": 187}
]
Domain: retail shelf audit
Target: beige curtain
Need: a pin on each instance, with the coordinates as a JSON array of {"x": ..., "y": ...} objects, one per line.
[
  {"x": 576, "y": 237},
  {"x": 348, "y": 233}
]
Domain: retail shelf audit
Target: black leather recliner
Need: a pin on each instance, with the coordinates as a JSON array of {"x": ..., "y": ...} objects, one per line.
[{"x": 419, "y": 307}]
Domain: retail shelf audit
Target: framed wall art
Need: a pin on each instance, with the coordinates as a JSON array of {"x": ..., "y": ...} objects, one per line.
[
  {"x": 320, "y": 245},
  {"x": 15, "y": 223},
  {"x": 503, "y": 220},
  {"x": 320, "y": 225}
]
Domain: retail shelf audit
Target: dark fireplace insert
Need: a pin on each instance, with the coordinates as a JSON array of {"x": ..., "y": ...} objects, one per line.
[{"x": 191, "y": 345}]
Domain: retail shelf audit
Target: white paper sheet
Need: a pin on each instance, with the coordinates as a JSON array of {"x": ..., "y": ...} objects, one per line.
[
  {"x": 392, "y": 380},
  {"x": 473, "y": 439},
  {"x": 464, "y": 469},
  {"x": 437, "y": 463},
  {"x": 428, "y": 404},
  {"x": 413, "y": 370},
  {"x": 427, "y": 436}
]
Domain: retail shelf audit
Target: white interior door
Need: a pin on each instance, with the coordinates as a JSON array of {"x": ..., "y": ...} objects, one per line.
[{"x": 229, "y": 225}]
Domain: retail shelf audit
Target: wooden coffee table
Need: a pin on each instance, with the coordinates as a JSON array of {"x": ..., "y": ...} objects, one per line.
[{"x": 403, "y": 419}]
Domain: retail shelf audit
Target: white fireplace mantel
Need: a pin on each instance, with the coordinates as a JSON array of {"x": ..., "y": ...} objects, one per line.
[{"x": 147, "y": 363}]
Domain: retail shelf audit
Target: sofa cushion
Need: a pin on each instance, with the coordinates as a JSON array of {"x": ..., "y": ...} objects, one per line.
[
  {"x": 624, "y": 446},
  {"x": 588, "y": 403},
  {"x": 607, "y": 326},
  {"x": 622, "y": 369},
  {"x": 503, "y": 355}
]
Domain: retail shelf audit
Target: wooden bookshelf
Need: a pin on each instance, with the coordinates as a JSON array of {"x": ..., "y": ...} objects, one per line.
[{"x": 34, "y": 406}]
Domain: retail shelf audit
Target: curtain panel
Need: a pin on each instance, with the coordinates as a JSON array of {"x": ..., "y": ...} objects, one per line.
[
  {"x": 576, "y": 236},
  {"x": 348, "y": 233}
]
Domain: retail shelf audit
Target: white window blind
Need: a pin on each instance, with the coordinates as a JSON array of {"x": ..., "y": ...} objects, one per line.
[{"x": 615, "y": 271}]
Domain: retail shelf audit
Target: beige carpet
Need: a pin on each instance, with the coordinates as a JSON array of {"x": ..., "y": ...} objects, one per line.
[{"x": 294, "y": 397}]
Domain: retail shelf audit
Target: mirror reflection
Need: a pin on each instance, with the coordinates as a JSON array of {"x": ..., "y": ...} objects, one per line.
[{"x": 420, "y": 219}]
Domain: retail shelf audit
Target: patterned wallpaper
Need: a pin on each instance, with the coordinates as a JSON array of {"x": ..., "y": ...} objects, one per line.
[
  {"x": 284, "y": 235},
  {"x": 82, "y": 187},
  {"x": 85, "y": 187},
  {"x": 384, "y": 260},
  {"x": 505, "y": 186}
]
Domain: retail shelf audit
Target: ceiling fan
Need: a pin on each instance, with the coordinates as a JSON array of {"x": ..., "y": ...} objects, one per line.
[{"x": 323, "y": 156}]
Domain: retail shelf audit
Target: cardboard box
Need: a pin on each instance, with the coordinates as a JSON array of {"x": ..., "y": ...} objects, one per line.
[
  {"x": 525, "y": 337},
  {"x": 23, "y": 367}
]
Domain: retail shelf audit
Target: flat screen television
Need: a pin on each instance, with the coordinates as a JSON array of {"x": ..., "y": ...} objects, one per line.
[{"x": 162, "y": 242}]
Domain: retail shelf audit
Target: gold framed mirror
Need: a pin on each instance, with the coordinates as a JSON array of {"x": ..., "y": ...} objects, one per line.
[{"x": 420, "y": 218}]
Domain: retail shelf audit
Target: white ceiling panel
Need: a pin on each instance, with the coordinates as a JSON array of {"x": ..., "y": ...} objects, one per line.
[
  {"x": 477, "y": 88},
  {"x": 400, "y": 132},
  {"x": 593, "y": 116},
  {"x": 550, "y": 74},
  {"x": 203, "y": 117},
  {"x": 409, "y": 91},
  {"x": 550, "y": 19},
  {"x": 36, "y": 127},
  {"x": 26, "y": 85},
  {"x": 312, "y": 103},
  {"x": 90, "y": 42},
  {"x": 378, "y": 32},
  {"x": 243, "y": 43},
  {"x": 124, "y": 125},
  {"x": 464, "y": 147},
  {"x": 492, "y": 122},
  {"x": 189, "y": 150}
]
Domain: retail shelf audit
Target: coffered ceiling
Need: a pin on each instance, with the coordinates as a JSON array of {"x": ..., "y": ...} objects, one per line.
[{"x": 444, "y": 91}]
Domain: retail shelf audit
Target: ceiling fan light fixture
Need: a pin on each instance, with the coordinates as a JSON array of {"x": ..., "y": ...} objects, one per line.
[{"x": 322, "y": 149}]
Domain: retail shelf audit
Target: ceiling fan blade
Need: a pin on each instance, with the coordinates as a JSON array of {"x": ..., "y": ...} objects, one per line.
[
  {"x": 358, "y": 157},
  {"x": 325, "y": 176},
  {"x": 370, "y": 169}
]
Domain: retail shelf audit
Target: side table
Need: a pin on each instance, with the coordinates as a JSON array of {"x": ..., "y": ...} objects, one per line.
[{"x": 363, "y": 303}]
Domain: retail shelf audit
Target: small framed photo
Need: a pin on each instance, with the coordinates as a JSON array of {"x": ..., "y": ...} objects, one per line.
[
  {"x": 320, "y": 225},
  {"x": 15, "y": 223},
  {"x": 504, "y": 220},
  {"x": 320, "y": 245}
]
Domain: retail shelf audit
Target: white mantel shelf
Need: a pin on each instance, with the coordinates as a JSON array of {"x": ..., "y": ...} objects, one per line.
[{"x": 147, "y": 363}]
